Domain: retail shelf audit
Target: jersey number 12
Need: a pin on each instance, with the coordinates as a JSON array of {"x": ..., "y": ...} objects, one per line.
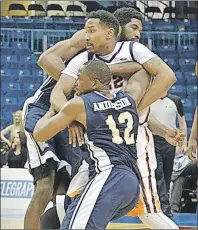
[{"x": 123, "y": 118}]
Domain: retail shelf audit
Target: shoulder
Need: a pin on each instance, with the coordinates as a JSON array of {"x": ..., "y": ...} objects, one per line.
[{"x": 174, "y": 98}]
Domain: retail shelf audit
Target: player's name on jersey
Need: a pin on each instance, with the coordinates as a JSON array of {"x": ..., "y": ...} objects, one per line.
[{"x": 119, "y": 104}]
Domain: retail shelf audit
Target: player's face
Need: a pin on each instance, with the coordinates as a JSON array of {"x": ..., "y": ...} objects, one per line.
[
  {"x": 84, "y": 84},
  {"x": 132, "y": 30},
  {"x": 96, "y": 36}
]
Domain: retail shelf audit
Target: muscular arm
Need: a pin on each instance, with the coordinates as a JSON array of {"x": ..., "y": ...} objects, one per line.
[
  {"x": 172, "y": 136},
  {"x": 156, "y": 127},
  {"x": 164, "y": 79},
  {"x": 62, "y": 89},
  {"x": 50, "y": 124},
  {"x": 125, "y": 69},
  {"x": 52, "y": 60},
  {"x": 137, "y": 85}
]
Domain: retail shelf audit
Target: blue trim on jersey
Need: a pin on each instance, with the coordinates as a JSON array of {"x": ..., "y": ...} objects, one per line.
[{"x": 111, "y": 59}]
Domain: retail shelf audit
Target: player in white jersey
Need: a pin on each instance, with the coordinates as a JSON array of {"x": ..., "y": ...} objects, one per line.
[{"x": 127, "y": 51}]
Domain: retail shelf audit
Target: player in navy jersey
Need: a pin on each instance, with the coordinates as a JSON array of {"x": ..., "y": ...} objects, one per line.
[{"x": 111, "y": 123}]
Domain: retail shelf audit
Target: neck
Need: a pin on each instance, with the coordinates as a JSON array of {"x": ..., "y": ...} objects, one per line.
[
  {"x": 18, "y": 148},
  {"x": 107, "y": 49},
  {"x": 106, "y": 92}
]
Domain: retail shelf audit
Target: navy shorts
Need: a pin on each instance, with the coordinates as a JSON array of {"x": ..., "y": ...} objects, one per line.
[{"x": 109, "y": 195}]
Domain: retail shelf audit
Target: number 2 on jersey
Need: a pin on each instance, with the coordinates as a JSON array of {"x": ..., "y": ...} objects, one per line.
[{"x": 116, "y": 138}]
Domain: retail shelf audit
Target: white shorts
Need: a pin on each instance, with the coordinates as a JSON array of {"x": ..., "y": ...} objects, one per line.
[{"x": 149, "y": 200}]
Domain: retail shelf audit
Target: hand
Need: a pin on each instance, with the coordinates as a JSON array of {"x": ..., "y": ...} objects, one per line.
[
  {"x": 184, "y": 148},
  {"x": 76, "y": 134},
  {"x": 192, "y": 147},
  {"x": 175, "y": 137}
]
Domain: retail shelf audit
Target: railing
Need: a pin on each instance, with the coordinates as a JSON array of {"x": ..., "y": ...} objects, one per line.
[{"x": 34, "y": 38}]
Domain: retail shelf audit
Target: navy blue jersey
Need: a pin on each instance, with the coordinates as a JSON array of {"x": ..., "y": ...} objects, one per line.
[
  {"x": 112, "y": 126},
  {"x": 42, "y": 95}
]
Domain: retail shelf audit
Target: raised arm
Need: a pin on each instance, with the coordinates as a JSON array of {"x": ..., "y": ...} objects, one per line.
[
  {"x": 67, "y": 80},
  {"x": 50, "y": 124},
  {"x": 62, "y": 89},
  {"x": 52, "y": 60}
]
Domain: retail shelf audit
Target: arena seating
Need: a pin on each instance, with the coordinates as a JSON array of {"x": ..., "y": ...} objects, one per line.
[{"x": 22, "y": 43}]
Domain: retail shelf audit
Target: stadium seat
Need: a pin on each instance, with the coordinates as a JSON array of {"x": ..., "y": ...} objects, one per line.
[
  {"x": 190, "y": 74},
  {"x": 11, "y": 107},
  {"x": 7, "y": 22},
  {"x": 180, "y": 78},
  {"x": 187, "y": 51},
  {"x": 55, "y": 10},
  {"x": 19, "y": 45},
  {"x": 8, "y": 51},
  {"x": 192, "y": 81},
  {"x": 190, "y": 10},
  {"x": 162, "y": 25},
  {"x": 187, "y": 65},
  {"x": 152, "y": 10},
  {"x": 4, "y": 44},
  {"x": 9, "y": 100},
  {"x": 16, "y": 9},
  {"x": 188, "y": 106},
  {"x": 36, "y": 10},
  {"x": 74, "y": 11},
  {"x": 178, "y": 90},
  {"x": 5, "y": 73},
  {"x": 171, "y": 62},
  {"x": 10, "y": 86},
  {"x": 192, "y": 91},
  {"x": 171, "y": 11}
]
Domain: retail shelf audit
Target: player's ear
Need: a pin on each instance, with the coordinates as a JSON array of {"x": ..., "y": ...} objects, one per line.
[
  {"x": 97, "y": 84},
  {"x": 110, "y": 33}
]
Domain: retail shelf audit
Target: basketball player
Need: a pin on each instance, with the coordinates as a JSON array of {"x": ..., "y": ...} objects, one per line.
[
  {"x": 127, "y": 51},
  {"x": 111, "y": 124},
  {"x": 43, "y": 160}
]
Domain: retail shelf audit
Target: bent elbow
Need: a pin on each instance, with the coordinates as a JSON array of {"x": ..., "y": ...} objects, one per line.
[
  {"x": 42, "y": 59},
  {"x": 38, "y": 137}
]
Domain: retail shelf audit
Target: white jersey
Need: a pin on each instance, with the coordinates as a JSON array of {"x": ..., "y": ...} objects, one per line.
[{"x": 124, "y": 52}]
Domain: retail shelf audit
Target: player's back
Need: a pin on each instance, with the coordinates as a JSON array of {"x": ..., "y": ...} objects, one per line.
[{"x": 111, "y": 130}]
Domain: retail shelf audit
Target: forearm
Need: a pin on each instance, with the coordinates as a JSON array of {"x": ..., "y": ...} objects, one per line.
[
  {"x": 156, "y": 127},
  {"x": 193, "y": 134},
  {"x": 3, "y": 138},
  {"x": 183, "y": 128},
  {"x": 53, "y": 65},
  {"x": 137, "y": 85},
  {"x": 58, "y": 98},
  {"x": 158, "y": 88},
  {"x": 125, "y": 69}
]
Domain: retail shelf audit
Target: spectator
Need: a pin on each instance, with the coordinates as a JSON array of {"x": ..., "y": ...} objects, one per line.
[
  {"x": 184, "y": 169},
  {"x": 17, "y": 155},
  {"x": 4, "y": 153},
  {"x": 167, "y": 110},
  {"x": 13, "y": 129}
]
